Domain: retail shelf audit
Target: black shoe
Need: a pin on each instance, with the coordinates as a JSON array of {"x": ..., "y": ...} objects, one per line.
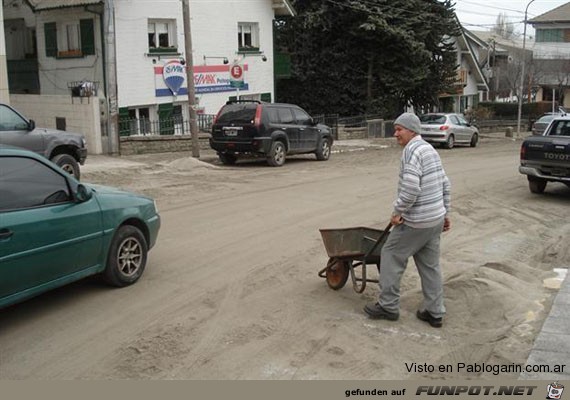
[
  {"x": 427, "y": 317},
  {"x": 375, "y": 311}
]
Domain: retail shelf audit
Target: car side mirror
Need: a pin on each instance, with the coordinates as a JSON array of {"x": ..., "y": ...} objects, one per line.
[
  {"x": 312, "y": 122},
  {"x": 31, "y": 125},
  {"x": 83, "y": 193}
]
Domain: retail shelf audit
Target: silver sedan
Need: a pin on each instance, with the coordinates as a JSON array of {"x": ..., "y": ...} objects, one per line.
[{"x": 448, "y": 130}]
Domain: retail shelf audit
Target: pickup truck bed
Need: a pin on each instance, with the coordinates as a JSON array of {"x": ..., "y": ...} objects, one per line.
[{"x": 546, "y": 158}]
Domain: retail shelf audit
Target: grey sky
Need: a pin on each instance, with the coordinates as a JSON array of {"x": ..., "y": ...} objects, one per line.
[{"x": 482, "y": 14}]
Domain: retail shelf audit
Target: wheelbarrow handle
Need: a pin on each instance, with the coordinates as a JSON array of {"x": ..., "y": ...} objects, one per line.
[{"x": 380, "y": 239}]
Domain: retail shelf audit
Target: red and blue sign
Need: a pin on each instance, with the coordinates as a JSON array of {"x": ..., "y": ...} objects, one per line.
[{"x": 207, "y": 79}]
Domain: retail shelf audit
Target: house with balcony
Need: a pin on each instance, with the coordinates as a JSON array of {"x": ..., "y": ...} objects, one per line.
[
  {"x": 470, "y": 85},
  {"x": 552, "y": 53},
  {"x": 95, "y": 64}
]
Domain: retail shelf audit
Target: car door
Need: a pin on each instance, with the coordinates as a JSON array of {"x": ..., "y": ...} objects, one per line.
[
  {"x": 14, "y": 131},
  {"x": 45, "y": 237},
  {"x": 308, "y": 133},
  {"x": 456, "y": 128},
  {"x": 287, "y": 124},
  {"x": 466, "y": 129}
]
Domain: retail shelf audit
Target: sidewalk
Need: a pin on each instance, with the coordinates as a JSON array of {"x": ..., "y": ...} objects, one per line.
[{"x": 552, "y": 345}]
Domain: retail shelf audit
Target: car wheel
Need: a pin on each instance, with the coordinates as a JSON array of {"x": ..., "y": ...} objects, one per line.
[
  {"x": 474, "y": 140},
  {"x": 323, "y": 149},
  {"x": 276, "y": 157},
  {"x": 68, "y": 164},
  {"x": 450, "y": 142},
  {"x": 227, "y": 159},
  {"x": 537, "y": 185},
  {"x": 127, "y": 257}
]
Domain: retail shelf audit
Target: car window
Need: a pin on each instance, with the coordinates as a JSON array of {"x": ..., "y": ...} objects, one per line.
[
  {"x": 560, "y": 128},
  {"x": 432, "y": 119},
  {"x": 454, "y": 120},
  {"x": 10, "y": 120},
  {"x": 545, "y": 119},
  {"x": 26, "y": 183},
  {"x": 273, "y": 115},
  {"x": 301, "y": 116},
  {"x": 237, "y": 113},
  {"x": 462, "y": 121},
  {"x": 285, "y": 115}
]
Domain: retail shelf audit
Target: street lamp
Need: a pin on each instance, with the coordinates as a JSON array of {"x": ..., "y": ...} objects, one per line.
[{"x": 521, "y": 87}]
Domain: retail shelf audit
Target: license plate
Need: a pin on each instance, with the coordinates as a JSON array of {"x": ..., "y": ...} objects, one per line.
[{"x": 231, "y": 133}]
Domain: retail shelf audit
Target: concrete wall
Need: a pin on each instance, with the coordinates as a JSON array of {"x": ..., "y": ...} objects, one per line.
[
  {"x": 81, "y": 114},
  {"x": 159, "y": 144}
]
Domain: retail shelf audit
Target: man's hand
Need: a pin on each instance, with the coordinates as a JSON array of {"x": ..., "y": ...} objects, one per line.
[
  {"x": 396, "y": 219},
  {"x": 446, "y": 224}
]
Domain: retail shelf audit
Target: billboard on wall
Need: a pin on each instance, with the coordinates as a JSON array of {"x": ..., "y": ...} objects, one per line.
[{"x": 207, "y": 79}]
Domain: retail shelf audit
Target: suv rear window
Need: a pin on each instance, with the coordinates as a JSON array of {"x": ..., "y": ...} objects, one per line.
[
  {"x": 237, "y": 113},
  {"x": 560, "y": 128}
]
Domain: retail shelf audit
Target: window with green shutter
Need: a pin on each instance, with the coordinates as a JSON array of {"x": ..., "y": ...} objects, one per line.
[
  {"x": 50, "y": 32},
  {"x": 87, "y": 36},
  {"x": 124, "y": 121}
]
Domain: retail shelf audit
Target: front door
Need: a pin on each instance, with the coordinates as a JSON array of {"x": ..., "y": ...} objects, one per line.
[
  {"x": 308, "y": 133},
  {"x": 44, "y": 235}
]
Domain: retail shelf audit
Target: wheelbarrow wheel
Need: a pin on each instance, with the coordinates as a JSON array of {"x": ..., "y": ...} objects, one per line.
[{"x": 337, "y": 273}]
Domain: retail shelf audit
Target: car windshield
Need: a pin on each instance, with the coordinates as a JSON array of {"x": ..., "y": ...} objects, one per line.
[
  {"x": 237, "y": 113},
  {"x": 545, "y": 119},
  {"x": 432, "y": 119}
]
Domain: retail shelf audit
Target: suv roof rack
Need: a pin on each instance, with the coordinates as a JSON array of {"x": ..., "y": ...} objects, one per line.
[{"x": 242, "y": 101}]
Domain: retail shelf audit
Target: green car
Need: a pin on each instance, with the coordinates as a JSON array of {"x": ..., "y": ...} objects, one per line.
[{"x": 55, "y": 230}]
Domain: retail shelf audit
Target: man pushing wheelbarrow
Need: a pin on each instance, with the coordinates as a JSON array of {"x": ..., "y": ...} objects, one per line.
[{"x": 419, "y": 217}]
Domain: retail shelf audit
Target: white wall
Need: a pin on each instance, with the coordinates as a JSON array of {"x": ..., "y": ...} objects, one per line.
[
  {"x": 214, "y": 33},
  {"x": 81, "y": 114}
]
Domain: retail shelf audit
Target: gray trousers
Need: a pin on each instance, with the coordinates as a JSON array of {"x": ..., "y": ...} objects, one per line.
[{"x": 423, "y": 244}]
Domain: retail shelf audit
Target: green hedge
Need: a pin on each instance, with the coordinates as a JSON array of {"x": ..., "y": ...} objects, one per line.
[{"x": 511, "y": 110}]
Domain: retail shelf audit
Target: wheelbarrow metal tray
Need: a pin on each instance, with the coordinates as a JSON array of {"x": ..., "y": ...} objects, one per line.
[{"x": 352, "y": 242}]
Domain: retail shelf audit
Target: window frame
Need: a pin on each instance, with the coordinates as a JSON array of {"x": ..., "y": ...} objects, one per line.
[
  {"x": 171, "y": 36},
  {"x": 254, "y": 47}
]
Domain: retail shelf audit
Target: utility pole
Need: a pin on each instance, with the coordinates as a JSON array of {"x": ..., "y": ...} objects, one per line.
[
  {"x": 113, "y": 146},
  {"x": 190, "y": 79}
]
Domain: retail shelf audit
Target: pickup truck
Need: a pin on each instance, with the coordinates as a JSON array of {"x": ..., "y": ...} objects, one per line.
[
  {"x": 65, "y": 149},
  {"x": 546, "y": 158}
]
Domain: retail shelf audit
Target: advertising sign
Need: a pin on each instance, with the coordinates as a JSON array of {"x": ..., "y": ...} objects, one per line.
[
  {"x": 174, "y": 75},
  {"x": 207, "y": 79},
  {"x": 236, "y": 76}
]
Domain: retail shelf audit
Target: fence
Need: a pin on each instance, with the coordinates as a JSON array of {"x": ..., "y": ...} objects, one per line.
[{"x": 170, "y": 126}]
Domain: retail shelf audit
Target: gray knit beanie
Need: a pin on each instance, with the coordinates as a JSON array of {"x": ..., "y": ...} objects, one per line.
[{"x": 409, "y": 121}]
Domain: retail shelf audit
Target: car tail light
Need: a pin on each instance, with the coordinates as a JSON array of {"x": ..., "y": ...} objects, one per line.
[
  {"x": 443, "y": 128},
  {"x": 257, "y": 120},
  {"x": 523, "y": 152},
  {"x": 217, "y": 115}
]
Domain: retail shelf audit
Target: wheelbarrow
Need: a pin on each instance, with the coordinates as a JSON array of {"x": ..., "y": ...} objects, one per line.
[{"x": 349, "y": 248}]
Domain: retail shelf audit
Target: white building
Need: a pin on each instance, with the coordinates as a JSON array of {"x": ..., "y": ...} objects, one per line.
[{"x": 115, "y": 50}]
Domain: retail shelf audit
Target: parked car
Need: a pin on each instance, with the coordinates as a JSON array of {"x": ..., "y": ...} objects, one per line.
[
  {"x": 268, "y": 130},
  {"x": 448, "y": 130},
  {"x": 55, "y": 230},
  {"x": 544, "y": 120},
  {"x": 546, "y": 158},
  {"x": 65, "y": 149}
]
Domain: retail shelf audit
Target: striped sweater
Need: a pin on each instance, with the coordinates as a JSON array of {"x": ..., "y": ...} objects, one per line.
[{"x": 424, "y": 189}]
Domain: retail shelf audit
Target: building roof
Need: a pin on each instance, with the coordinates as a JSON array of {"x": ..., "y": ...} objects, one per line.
[
  {"x": 559, "y": 14},
  {"x": 284, "y": 7},
  {"x": 39, "y": 5}
]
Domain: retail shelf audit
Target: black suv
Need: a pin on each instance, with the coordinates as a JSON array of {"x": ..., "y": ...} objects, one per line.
[{"x": 269, "y": 130}]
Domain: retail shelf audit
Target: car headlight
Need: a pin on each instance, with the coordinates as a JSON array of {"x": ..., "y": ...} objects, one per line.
[
  {"x": 83, "y": 142},
  {"x": 155, "y": 206}
]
